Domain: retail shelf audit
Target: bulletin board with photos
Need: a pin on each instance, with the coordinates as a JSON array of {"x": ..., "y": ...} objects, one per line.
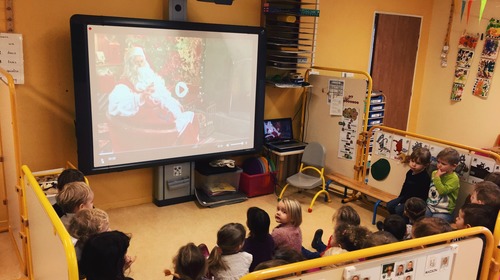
[
  {"x": 456, "y": 260},
  {"x": 435, "y": 264}
]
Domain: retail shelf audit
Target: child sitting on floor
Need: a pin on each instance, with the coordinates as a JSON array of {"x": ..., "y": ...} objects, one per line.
[
  {"x": 487, "y": 193},
  {"x": 444, "y": 186},
  {"x": 189, "y": 264},
  {"x": 227, "y": 261},
  {"x": 74, "y": 197},
  {"x": 427, "y": 226},
  {"x": 471, "y": 215},
  {"x": 86, "y": 223},
  {"x": 259, "y": 243},
  {"x": 396, "y": 225},
  {"x": 414, "y": 210},
  {"x": 493, "y": 177},
  {"x": 345, "y": 214},
  {"x": 104, "y": 256},
  {"x": 67, "y": 176},
  {"x": 289, "y": 218}
]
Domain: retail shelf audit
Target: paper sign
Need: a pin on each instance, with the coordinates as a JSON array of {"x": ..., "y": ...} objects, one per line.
[{"x": 11, "y": 56}]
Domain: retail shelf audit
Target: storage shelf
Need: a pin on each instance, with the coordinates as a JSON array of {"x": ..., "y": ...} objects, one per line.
[{"x": 291, "y": 37}]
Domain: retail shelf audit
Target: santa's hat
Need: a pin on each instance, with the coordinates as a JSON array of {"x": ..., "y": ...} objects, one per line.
[{"x": 135, "y": 51}]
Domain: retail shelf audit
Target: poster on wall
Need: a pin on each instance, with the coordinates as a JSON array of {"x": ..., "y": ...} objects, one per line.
[
  {"x": 480, "y": 167},
  {"x": 466, "y": 48},
  {"x": 414, "y": 144},
  {"x": 463, "y": 166},
  {"x": 382, "y": 143},
  {"x": 336, "y": 96},
  {"x": 400, "y": 146},
  {"x": 348, "y": 133},
  {"x": 488, "y": 60},
  {"x": 11, "y": 56}
]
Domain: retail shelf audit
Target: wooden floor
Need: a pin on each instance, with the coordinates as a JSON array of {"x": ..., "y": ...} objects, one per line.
[
  {"x": 158, "y": 232},
  {"x": 9, "y": 264}
]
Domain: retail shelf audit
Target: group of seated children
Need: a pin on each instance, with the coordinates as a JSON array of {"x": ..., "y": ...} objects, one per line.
[
  {"x": 101, "y": 253},
  {"x": 425, "y": 207}
]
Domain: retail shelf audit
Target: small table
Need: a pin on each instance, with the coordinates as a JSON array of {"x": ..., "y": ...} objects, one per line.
[{"x": 281, "y": 156}]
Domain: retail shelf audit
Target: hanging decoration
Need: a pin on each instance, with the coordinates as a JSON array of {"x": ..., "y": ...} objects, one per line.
[
  {"x": 462, "y": 10},
  {"x": 446, "y": 45},
  {"x": 466, "y": 48},
  {"x": 488, "y": 60},
  {"x": 481, "y": 9},
  {"x": 469, "y": 4}
]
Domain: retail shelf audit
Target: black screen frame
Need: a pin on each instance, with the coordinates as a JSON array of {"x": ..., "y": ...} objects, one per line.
[{"x": 82, "y": 90}]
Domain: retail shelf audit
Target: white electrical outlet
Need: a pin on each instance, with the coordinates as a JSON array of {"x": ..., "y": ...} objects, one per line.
[{"x": 177, "y": 170}]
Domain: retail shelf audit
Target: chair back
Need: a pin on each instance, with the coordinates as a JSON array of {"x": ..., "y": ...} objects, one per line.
[{"x": 314, "y": 154}]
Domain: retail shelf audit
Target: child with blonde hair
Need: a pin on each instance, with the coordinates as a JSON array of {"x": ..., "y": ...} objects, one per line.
[
  {"x": 67, "y": 176},
  {"x": 227, "y": 261},
  {"x": 74, "y": 197},
  {"x": 289, "y": 218},
  {"x": 85, "y": 223}
]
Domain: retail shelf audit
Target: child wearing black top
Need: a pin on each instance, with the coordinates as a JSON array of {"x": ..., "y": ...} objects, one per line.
[{"x": 416, "y": 183}]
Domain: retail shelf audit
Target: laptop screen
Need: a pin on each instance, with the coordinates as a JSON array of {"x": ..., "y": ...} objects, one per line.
[{"x": 278, "y": 129}]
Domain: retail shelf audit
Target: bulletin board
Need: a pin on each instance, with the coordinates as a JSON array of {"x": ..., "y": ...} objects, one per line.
[
  {"x": 456, "y": 260},
  {"x": 336, "y": 126},
  {"x": 472, "y": 167}
]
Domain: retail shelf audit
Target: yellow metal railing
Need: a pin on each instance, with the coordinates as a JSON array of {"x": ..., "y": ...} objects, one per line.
[
  {"x": 42, "y": 262},
  {"x": 298, "y": 268}
]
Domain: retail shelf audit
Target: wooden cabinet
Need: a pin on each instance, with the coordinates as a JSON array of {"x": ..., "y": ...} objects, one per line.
[{"x": 291, "y": 38}]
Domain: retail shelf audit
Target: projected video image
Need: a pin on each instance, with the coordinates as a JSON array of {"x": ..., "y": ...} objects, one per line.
[{"x": 157, "y": 93}]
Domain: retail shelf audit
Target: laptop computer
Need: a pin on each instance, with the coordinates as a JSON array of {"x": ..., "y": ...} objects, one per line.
[{"x": 278, "y": 135}]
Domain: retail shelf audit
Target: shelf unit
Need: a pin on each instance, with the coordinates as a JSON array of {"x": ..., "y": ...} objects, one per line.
[
  {"x": 377, "y": 109},
  {"x": 376, "y": 112},
  {"x": 291, "y": 38}
]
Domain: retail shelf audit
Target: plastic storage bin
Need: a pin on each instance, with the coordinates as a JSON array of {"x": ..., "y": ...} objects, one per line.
[
  {"x": 259, "y": 184},
  {"x": 217, "y": 180}
]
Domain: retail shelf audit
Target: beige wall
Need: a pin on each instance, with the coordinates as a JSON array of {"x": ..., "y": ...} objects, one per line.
[
  {"x": 46, "y": 103},
  {"x": 472, "y": 121},
  {"x": 345, "y": 36}
]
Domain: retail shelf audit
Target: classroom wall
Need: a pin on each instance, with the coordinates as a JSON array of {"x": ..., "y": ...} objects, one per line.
[
  {"x": 345, "y": 36},
  {"x": 46, "y": 102},
  {"x": 472, "y": 121}
]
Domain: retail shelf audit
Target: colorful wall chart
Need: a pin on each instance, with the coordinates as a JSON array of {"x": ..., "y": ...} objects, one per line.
[
  {"x": 488, "y": 60},
  {"x": 466, "y": 48}
]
